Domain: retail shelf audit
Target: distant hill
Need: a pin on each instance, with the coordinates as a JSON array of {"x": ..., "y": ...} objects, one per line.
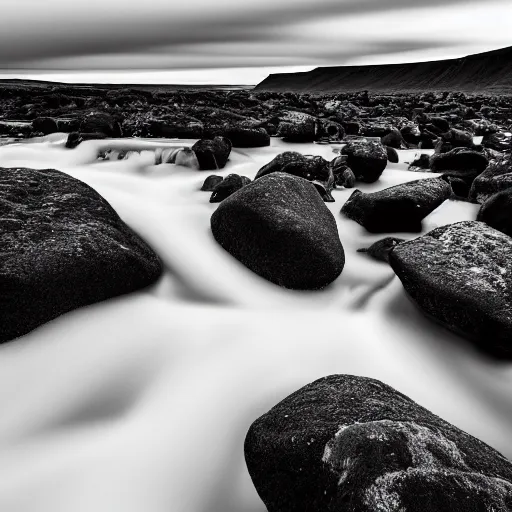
[
  {"x": 14, "y": 82},
  {"x": 489, "y": 72}
]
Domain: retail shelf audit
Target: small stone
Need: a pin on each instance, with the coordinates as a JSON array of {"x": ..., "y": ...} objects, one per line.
[{"x": 211, "y": 182}]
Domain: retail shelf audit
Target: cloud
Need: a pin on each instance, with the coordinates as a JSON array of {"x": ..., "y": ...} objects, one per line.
[{"x": 203, "y": 34}]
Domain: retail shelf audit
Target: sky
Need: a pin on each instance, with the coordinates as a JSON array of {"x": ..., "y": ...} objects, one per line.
[{"x": 235, "y": 41}]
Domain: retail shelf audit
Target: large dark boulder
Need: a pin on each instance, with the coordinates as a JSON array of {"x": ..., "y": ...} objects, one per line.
[
  {"x": 459, "y": 159},
  {"x": 101, "y": 122},
  {"x": 46, "y": 125},
  {"x": 310, "y": 167},
  {"x": 352, "y": 444},
  {"x": 367, "y": 159},
  {"x": 242, "y": 137},
  {"x": 496, "y": 178},
  {"x": 397, "y": 209},
  {"x": 497, "y": 212},
  {"x": 279, "y": 227},
  {"x": 459, "y": 275},
  {"x": 213, "y": 153},
  {"x": 62, "y": 246}
]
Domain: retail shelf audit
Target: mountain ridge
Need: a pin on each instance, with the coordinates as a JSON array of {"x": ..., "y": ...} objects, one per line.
[{"x": 487, "y": 72}]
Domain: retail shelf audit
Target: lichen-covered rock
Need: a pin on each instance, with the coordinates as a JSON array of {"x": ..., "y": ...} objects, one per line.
[
  {"x": 497, "y": 212},
  {"x": 496, "y": 178},
  {"x": 229, "y": 185},
  {"x": 211, "y": 182},
  {"x": 213, "y": 153},
  {"x": 367, "y": 159},
  {"x": 397, "y": 209},
  {"x": 310, "y": 167},
  {"x": 62, "y": 246},
  {"x": 353, "y": 444},
  {"x": 279, "y": 227},
  {"x": 459, "y": 275},
  {"x": 297, "y": 127},
  {"x": 381, "y": 248}
]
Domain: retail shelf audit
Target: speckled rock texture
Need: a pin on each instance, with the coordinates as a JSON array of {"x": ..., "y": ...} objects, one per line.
[
  {"x": 397, "y": 209},
  {"x": 367, "y": 159},
  {"x": 279, "y": 227},
  {"x": 313, "y": 168},
  {"x": 497, "y": 177},
  {"x": 62, "y": 246},
  {"x": 461, "y": 276},
  {"x": 353, "y": 444},
  {"x": 229, "y": 185}
]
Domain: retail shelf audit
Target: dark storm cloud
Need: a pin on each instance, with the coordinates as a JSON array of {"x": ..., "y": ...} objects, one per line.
[{"x": 58, "y": 29}]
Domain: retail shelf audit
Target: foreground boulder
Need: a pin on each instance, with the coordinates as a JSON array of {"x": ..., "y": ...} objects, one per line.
[
  {"x": 352, "y": 444},
  {"x": 213, "y": 153},
  {"x": 497, "y": 212},
  {"x": 497, "y": 177},
  {"x": 62, "y": 246},
  {"x": 279, "y": 227},
  {"x": 310, "y": 167},
  {"x": 397, "y": 209},
  {"x": 459, "y": 275},
  {"x": 367, "y": 159}
]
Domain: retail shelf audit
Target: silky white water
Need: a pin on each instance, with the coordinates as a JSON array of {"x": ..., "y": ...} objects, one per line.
[{"x": 141, "y": 403}]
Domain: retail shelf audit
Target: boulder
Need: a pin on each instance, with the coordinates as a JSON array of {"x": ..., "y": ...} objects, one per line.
[
  {"x": 177, "y": 129},
  {"x": 393, "y": 139},
  {"x": 297, "y": 127},
  {"x": 459, "y": 159},
  {"x": 459, "y": 275},
  {"x": 46, "y": 125},
  {"x": 367, "y": 159},
  {"x": 354, "y": 444},
  {"x": 242, "y": 137},
  {"x": 397, "y": 209},
  {"x": 212, "y": 153},
  {"x": 229, "y": 185},
  {"x": 497, "y": 212},
  {"x": 211, "y": 182},
  {"x": 101, "y": 122},
  {"x": 496, "y": 178},
  {"x": 312, "y": 168},
  {"x": 62, "y": 247},
  {"x": 279, "y": 227},
  {"x": 392, "y": 155}
]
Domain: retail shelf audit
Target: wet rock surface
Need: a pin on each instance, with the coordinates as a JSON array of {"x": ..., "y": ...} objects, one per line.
[
  {"x": 380, "y": 250},
  {"x": 355, "y": 444},
  {"x": 397, "y": 209},
  {"x": 496, "y": 178},
  {"x": 459, "y": 275},
  {"x": 496, "y": 212},
  {"x": 62, "y": 246},
  {"x": 229, "y": 185},
  {"x": 279, "y": 227},
  {"x": 367, "y": 159}
]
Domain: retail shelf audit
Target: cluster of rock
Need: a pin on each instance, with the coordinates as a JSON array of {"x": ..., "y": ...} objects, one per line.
[{"x": 354, "y": 444}]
